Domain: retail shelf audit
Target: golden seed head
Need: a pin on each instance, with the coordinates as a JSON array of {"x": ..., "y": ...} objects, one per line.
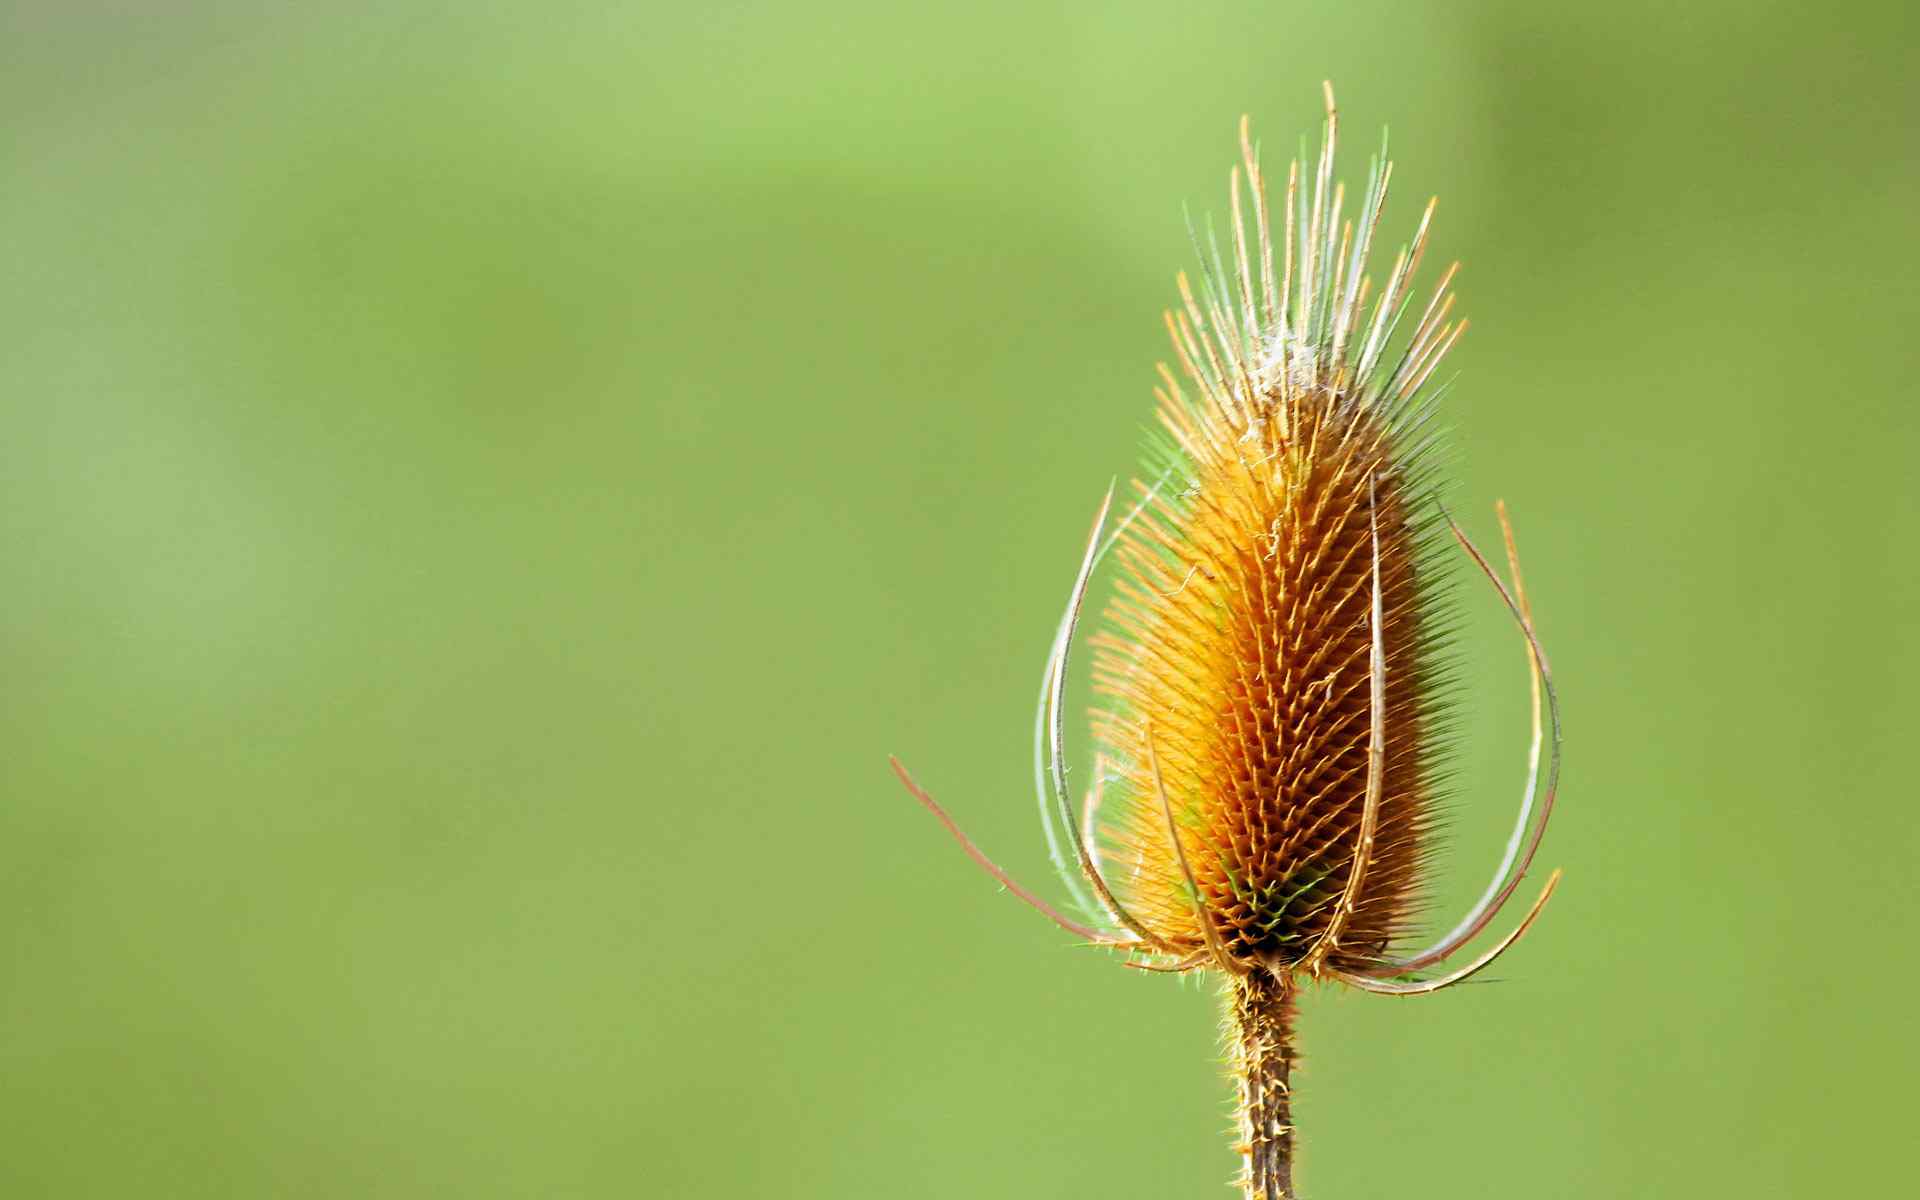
[
  {"x": 1238, "y": 670},
  {"x": 1268, "y": 681},
  {"x": 1237, "y": 675},
  {"x": 1240, "y": 647}
]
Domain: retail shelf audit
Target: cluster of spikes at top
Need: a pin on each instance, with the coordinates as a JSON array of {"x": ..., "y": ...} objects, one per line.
[{"x": 1271, "y": 676}]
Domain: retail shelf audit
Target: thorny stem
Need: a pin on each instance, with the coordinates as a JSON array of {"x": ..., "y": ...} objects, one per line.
[{"x": 1262, "y": 1028}]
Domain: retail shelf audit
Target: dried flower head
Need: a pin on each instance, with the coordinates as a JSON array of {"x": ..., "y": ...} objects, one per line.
[{"x": 1270, "y": 681}]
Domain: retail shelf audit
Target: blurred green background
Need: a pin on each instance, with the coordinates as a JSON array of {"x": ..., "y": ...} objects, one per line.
[{"x": 484, "y": 487}]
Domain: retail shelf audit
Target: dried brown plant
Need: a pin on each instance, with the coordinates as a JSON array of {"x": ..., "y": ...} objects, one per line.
[{"x": 1270, "y": 683}]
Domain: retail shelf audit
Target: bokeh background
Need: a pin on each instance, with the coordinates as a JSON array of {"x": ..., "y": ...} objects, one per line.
[{"x": 483, "y": 487}]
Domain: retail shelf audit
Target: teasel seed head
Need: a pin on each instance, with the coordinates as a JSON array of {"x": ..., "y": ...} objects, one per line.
[{"x": 1270, "y": 681}]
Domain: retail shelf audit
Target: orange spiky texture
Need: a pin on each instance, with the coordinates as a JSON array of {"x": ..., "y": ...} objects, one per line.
[
  {"x": 1251, "y": 596},
  {"x": 1269, "y": 681},
  {"x": 1242, "y": 650}
]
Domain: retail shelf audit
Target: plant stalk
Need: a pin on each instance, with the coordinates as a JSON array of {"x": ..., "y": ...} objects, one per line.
[{"x": 1261, "y": 1019}]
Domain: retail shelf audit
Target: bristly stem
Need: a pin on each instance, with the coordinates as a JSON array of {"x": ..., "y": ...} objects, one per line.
[{"x": 1262, "y": 1025}]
